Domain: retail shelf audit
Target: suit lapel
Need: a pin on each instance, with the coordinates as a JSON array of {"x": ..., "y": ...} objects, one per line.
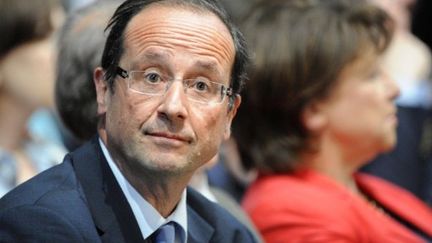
[
  {"x": 199, "y": 230},
  {"x": 111, "y": 212}
]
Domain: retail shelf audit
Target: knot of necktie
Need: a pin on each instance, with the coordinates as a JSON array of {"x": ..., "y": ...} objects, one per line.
[{"x": 165, "y": 233}]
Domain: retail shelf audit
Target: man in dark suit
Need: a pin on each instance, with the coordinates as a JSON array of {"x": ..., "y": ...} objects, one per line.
[{"x": 167, "y": 92}]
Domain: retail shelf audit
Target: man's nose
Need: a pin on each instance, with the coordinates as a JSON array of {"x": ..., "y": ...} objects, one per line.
[{"x": 174, "y": 102}]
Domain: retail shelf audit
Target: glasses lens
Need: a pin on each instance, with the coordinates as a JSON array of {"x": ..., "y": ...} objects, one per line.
[
  {"x": 149, "y": 83},
  {"x": 203, "y": 91},
  {"x": 197, "y": 90}
]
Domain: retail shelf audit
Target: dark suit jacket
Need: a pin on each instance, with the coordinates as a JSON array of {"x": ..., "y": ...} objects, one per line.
[{"x": 80, "y": 201}]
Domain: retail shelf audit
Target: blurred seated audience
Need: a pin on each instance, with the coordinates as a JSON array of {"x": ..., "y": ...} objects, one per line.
[
  {"x": 80, "y": 44},
  {"x": 231, "y": 174},
  {"x": 72, "y": 5},
  {"x": 201, "y": 183},
  {"x": 421, "y": 28},
  {"x": 238, "y": 9},
  {"x": 26, "y": 88},
  {"x": 408, "y": 62},
  {"x": 317, "y": 107},
  {"x": 421, "y": 18}
]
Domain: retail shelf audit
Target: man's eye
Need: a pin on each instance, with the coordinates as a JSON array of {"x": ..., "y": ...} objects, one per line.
[
  {"x": 201, "y": 86},
  {"x": 152, "y": 77}
]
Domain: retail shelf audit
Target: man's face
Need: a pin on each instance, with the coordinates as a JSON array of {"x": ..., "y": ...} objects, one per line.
[{"x": 169, "y": 133}]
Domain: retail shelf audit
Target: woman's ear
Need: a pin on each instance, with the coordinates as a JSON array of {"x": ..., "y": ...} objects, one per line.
[{"x": 314, "y": 117}]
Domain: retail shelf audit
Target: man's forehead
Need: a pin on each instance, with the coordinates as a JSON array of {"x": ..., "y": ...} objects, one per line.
[
  {"x": 157, "y": 18},
  {"x": 158, "y": 55},
  {"x": 173, "y": 29}
]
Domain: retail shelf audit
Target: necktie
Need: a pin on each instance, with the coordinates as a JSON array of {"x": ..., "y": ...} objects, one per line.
[{"x": 165, "y": 233}]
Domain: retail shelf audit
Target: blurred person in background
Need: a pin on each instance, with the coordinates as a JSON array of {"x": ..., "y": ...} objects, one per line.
[
  {"x": 230, "y": 173},
  {"x": 238, "y": 9},
  {"x": 27, "y": 61},
  {"x": 420, "y": 21},
  {"x": 73, "y": 5},
  {"x": 80, "y": 46},
  {"x": 408, "y": 62},
  {"x": 421, "y": 28},
  {"x": 318, "y": 106}
]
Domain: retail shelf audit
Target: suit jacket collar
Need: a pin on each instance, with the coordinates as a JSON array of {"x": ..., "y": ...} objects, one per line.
[
  {"x": 199, "y": 230},
  {"x": 111, "y": 212}
]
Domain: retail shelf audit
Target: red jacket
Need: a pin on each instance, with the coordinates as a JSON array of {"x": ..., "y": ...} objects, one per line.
[{"x": 310, "y": 207}]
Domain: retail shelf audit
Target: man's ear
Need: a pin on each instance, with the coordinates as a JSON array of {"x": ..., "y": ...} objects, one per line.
[
  {"x": 232, "y": 111},
  {"x": 314, "y": 117},
  {"x": 102, "y": 90}
]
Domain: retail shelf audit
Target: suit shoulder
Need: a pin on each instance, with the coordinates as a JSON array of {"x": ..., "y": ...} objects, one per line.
[
  {"x": 48, "y": 208},
  {"x": 206, "y": 208},
  {"x": 226, "y": 227},
  {"x": 30, "y": 223},
  {"x": 50, "y": 183}
]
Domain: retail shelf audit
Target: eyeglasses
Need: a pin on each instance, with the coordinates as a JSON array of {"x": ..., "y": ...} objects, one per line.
[{"x": 152, "y": 83}]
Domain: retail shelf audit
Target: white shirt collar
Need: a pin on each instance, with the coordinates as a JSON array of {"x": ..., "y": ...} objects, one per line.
[{"x": 148, "y": 218}]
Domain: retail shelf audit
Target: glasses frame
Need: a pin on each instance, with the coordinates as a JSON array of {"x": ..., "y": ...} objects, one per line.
[{"x": 225, "y": 92}]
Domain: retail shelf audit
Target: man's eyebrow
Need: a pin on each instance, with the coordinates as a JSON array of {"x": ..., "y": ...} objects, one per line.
[
  {"x": 158, "y": 55},
  {"x": 208, "y": 66},
  {"x": 151, "y": 56}
]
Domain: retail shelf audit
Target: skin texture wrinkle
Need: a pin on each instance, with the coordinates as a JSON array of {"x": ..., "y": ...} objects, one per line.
[
  {"x": 161, "y": 140},
  {"x": 179, "y": 32}
]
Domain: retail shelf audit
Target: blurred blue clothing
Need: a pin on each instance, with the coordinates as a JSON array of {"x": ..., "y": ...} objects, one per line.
[
  {"x": 46, "y": 145},
  {"x": 220, "y": 177},
  {"x": 419, "y": 95},
  {"x": 7, "y": 172},
  {"x": 44, "y": 148}
]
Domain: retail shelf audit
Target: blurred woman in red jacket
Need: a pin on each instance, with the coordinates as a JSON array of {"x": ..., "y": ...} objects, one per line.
[{"x": 317, "y": 107}]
